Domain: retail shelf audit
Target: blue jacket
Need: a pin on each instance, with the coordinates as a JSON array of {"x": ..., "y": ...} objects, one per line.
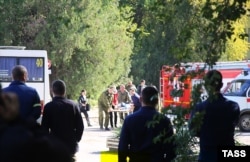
[
  {"x": 29, "y": 100},
  {"x": 136, "y": 139},
  {"x": 136, "y": 101}
]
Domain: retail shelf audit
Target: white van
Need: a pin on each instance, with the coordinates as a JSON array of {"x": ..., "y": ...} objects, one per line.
[{"x": 238, "y": 90}]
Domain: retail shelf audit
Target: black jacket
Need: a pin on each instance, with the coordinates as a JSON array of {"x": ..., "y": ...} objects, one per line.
[
  {"x": 220, "y": 117},
  {"x": 137, "y": 138},
  {"x": 62, "y": 118}
]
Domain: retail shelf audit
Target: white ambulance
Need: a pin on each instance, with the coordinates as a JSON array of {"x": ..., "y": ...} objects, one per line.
[{"x": 238, "y": 90}]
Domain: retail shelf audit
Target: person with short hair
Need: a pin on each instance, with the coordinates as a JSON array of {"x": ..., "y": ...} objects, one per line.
[
  {"x": 141, "y": 86},
  {"x": 62, "y": 118},
  {"x": 137, "y": 137},
  {"x": 29, "y": 100},
  {"x": 104, "y": 106},
  {"x": 129, "y": 85},
  {"x": 123, "y": 99},
  {"x": 24, "y": 140},
  {"x": 84, "y": 105},
  {"x": 219, "y": 117},
  {"x": 135, "y": 99}
]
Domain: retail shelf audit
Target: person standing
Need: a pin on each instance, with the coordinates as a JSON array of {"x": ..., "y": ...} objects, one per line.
[
  {"x": 104, "y": 105},
  {"x": 135, "y": 99},
  {"x": 84, "y": 105},
  {"x": 123, "y": 99},
  {"x": 137, "y": 138},
  {"x": 114, "y": 105},
  {"x": 129, "y": 85},
  {"x": 62, "y": 118},
  {"x": 219, "y": 117},
  {"x": 29, "y": 100},
  {"x": 141, "y": 86}
]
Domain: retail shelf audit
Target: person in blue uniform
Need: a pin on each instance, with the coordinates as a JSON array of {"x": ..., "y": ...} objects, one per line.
[
  {"x": 137, "y": 138},
  {"x": 29, "y": 100}
]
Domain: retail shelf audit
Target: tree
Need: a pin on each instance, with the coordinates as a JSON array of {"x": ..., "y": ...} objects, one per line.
[
  {"x": 199, "y": 30},
  {"x": 87, "y": 41}
]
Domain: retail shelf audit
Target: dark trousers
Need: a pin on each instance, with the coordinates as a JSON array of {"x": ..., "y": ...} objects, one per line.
[
  {"x": 85, "y": 113},
  {"x": 111, "y": 118}
]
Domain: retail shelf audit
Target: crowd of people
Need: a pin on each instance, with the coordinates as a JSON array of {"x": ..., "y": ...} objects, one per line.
[
  {"x": 114, "y": 98},
  {"x": 56, "y": 138}
]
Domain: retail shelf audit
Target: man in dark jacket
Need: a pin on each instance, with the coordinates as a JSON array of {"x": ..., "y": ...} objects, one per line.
[
  {"x": 135, "y": 99},
  {"x": 23, "y": 140},
  {"x": 62, "y": 118},
  {"x": 137, "y": 137},
  {"x": 218, "y": 116}
]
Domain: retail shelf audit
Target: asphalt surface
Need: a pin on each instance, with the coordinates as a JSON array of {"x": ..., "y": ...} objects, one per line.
[{"x": 93, "y": 140}]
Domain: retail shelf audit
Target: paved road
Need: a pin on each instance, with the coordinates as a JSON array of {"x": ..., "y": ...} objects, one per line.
[{"x": 94, "y": 141}]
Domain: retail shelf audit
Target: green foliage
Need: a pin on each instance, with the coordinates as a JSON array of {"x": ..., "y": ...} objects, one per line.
[
  {"x": 87, "y": 41},
  {"x": 198, "y": 31},
  {"x": 186, "y": 143}
]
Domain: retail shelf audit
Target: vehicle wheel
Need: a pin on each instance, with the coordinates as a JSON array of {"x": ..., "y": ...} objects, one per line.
[{"x": 244, "y": 123}]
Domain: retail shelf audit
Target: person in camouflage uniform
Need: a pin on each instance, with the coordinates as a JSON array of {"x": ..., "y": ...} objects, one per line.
[
  {"x": 104, "y": 105},
  {"x": 123, "y": 98}
]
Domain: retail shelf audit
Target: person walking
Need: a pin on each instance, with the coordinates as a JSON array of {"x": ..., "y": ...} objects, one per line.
[
  {"x": 219, "y": 117},
  {"x": 104, "y": 105},
  {"x": 84, "y": 106},
  {"x": 62, "y": 118},
  {"x": 29, "y": 100},
  {"x": 137, "y": 138}
]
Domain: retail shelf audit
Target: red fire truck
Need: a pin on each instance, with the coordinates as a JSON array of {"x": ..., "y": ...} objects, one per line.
[{"x": 171, "y": 80}]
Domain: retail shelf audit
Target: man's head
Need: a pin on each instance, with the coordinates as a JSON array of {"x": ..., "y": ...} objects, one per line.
[
  {"x": 111, "y": 89},
  {"x": 122, "y": 87},
  {"x": 213, "y": 81},
  {"x": 149, "y": 96},
  {"x": 83, "y": 92},
  {"x": 8, "y": 106},
  {"x": 132, "y": 90},
  {"x": 20, "y": 73},
  {"x": 58, "y": 88},
  {"x": 129, "y": 82},
  {"x": 143, "y": 82}
]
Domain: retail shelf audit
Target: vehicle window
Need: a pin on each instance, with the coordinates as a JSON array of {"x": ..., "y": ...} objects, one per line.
[
  {"x": 34, "y": 65},
  {"x": 237, "y": 88}
]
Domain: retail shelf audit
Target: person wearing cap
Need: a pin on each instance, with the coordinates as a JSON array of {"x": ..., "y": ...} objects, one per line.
[
  {"x": 137, "y": 137},
  {"x": 135, "y": 99},
  {"x": 104, "y": 106},
  {"x": 62, "y": 118},
  {"x": 219, "y": 117}
]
